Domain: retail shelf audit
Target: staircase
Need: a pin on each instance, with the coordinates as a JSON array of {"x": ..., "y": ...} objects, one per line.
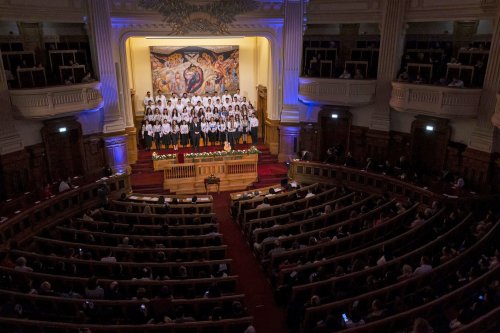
[{"x": 145, "y": 180}]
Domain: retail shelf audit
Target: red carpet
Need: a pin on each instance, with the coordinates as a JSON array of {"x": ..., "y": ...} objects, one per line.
[{"x": 268, "y": 318}]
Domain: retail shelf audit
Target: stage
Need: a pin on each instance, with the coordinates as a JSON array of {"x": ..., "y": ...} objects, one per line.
[{"x": 145, "y": 180}]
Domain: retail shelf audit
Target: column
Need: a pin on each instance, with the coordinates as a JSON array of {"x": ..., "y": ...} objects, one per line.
[
  {"x": 116, "y": 153},
  {"x": 10, "y": 141},
  {"x": 292, "y": 51},
  {"x": 100, "y": 32},
  {"x": 392, "y": 33},
  {"x": 108, "y": 72},
  {"x": 391, "y": 50},
  {"x": 484, "y": 135},
  {"x": 478, "y": 159}
]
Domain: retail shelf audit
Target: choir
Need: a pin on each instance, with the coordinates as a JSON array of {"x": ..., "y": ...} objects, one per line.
[{"x": 185, "y": 120}]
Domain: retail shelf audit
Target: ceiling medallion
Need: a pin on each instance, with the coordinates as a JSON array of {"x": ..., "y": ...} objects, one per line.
[{"x": 186, "y": 16}]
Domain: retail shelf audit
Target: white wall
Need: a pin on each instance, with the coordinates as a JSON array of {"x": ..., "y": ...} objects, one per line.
[{"x": 140, "y": 68}]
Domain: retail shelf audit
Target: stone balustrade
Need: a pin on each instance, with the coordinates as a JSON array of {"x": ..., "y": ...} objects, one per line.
[
  {"x": 336, "y": 91},
  {"x": 436, "y": 101},
  {"x": 56, "y": 101}
]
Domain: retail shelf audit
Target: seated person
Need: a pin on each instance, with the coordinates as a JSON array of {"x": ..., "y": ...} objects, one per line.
[
  {"x": 345, "y": 75},
  {"x": 456, "y": 83},
  {"x": 64, "y": 185},
  {"x": 358, "y": 75}
]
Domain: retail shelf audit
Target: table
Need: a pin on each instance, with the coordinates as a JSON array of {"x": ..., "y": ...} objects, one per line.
[{"x": 212, "y": 180}]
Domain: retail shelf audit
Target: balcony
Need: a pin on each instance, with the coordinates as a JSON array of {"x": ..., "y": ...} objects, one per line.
[
  {"x": 496, "y": 116},
  {"x": 56, "y": 101},
  {"x": 435, "y": 100},
  {"x": 337, "y": 91}
]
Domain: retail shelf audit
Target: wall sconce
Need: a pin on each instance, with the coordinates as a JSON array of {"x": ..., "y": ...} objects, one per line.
[
  {"x": 62, "y": 129},
  {"x": 335, "y": 116},
  {"x": 429, "y": 128}
]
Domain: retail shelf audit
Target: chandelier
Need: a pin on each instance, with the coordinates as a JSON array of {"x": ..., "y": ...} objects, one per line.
[{"x": 186, "y": 16}]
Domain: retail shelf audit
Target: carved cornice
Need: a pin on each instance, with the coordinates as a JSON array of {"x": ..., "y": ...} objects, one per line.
[
  {"x": 57, "y": 101},
  {"x": 337, "y": 91},
  {"x": 437, "y": 101},
  {"x": 44, "y": 11}
]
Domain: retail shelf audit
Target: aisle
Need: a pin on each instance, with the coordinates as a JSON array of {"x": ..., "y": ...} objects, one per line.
[{"x": 268, "y": 317}]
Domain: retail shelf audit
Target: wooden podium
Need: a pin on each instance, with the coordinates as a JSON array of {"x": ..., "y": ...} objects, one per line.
[{"x": 236, "y": 172}]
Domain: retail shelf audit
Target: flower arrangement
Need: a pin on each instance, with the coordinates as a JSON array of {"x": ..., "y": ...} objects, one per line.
[
  {"x": 221, "y": 153},
  {"x": 157, "y": 157}
]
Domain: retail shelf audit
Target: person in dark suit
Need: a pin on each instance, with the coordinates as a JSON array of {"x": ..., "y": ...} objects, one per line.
[{"x": 195, "y": 132}]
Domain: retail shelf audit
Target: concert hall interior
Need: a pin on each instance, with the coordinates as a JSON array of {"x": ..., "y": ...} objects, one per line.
[{"x": 242, "y": 166}]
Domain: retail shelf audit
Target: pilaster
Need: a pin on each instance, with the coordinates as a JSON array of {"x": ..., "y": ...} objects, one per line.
[
  {"x": 391, "y": 49},
  {"x": 116, "y": 151},
  {"x": 10, "y": 141},
  {"x": 132, "y": 144},
  {"x": 100, "y": 32},
  {"x": 292, "y": 35},
  {"x": 484, "y": 134}
]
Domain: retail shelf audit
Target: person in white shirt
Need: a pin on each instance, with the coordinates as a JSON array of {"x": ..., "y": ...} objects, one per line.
[
  {"x": 245, "y": 128},
  {"x": 157, "y": 134},
  {"x": 222, "y": 131},
  {"x": 244, "y": 102},
  {"x": 198, "y": 106},
  {"x": 147, "y": 134},
  {"x": 184, "y": 128},
  {"x": 231, "y": 131},
  {"x": 148, "y": 99},
  {"x": 217, "y": 103},
  {"x": 204, "y": 130},
  {"x": 165, "y": 133},
  {"x": 160, "y": 106},
  {"x": 212, "y": 131},
  {"x": 456, "y": 83},
  {"x": 309, "y": 193},
  {"x": 176, "y": 116},
  {"x": 174, "y": 98},
  {"x": 265, "y": 203},
  {"x": 175, "y": 134},
  {"x": 205, "y": 99},
  {"x": 237, "y": 95},
  {"x": 424, "y": 268},
  {"x": 345, "y": 75},
  {"x": 160, "y": 97},
  {"x": 227, "y": 102},
  {"x": 185, "y": 99},
  {"x": 226, "y": 95},
  {"x": 109, "y": 257},
  {"x": 179, "y": 106},
  {"x": 195, "y": 99},
  {"x": 64, "y": 186},
  {"x": 254, "y": 126}
]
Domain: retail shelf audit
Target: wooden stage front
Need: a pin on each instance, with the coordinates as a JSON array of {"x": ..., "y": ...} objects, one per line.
[{"x": 236, "y": 172}]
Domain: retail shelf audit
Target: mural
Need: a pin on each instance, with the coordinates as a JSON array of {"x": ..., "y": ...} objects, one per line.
[{"x": 191, "y": 69}]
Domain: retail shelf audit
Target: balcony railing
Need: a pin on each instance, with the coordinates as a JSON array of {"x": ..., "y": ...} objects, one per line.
[
  {"x": 337, "y": 91},
  {"x": 56, "y": 101},
  {"x": 438, "y": 101}
]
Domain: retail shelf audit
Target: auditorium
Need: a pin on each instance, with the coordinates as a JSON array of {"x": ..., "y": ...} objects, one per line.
[{"x": 249, "y": 166}]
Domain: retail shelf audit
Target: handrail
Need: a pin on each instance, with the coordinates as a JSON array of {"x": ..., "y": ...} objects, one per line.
[
  {"x": 405, "y": 283},
  {"x": 66, "y": 204},
  {"x": 224, "y": 325},
  {"x": 356, "y": 253}
]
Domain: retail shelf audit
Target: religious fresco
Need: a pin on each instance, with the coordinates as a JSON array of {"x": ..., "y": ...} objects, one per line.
[{"x": 194, "y": 69}]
